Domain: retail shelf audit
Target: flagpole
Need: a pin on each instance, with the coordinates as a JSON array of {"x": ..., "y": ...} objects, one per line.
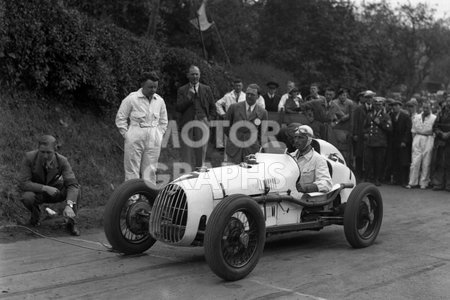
[
  {"x": 222, "y": 45},
  {"x": 201, "y": 37}
]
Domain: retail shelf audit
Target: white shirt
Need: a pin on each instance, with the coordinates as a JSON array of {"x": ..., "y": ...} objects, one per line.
[
  {"x": 424, "y": 127},
  {"x": 223, "y": 104},
  {"x": 284, "y": 98},
  {"x": 142, "y": 112},
  {"x": 251, "y": 107}
]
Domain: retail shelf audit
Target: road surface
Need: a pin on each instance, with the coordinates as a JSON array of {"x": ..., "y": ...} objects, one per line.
[{"x": 410, "y": 260}]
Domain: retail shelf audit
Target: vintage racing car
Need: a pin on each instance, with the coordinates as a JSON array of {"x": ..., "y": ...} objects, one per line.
[{"x": 230, "y": 210}]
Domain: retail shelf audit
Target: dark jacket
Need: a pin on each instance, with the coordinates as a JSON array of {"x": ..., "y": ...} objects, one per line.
[
  {"x": 442, "y": 125},
  {"x": 33, "y": 175},
  {"x": 271, "y": 103},
  {"x": 376, "y": 135},
  {"x": 236, "y": 113},
  {"x": 401, "y": 129},
  {"x": 185, "y": 104}
]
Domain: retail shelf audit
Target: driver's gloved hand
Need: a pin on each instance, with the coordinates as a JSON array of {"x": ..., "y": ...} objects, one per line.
[{"x": 307, "y": 188}]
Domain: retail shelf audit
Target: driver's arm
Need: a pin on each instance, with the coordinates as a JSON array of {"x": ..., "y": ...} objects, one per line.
[{"x": 323, "y": 178}]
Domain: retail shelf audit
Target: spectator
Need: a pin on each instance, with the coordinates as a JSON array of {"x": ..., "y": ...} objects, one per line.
[
  {"x": 195, "y": 102},
  {"x": 272, "y": 99},
  {"x": 222, "y": 105},
  {"x": 377, "y": 125},
  {"x": 314, "y": 93},
  {"x": 441, "y": 128},
  {"x": 422, "y": 146},
  {"x": 236, "y": 95},
  {"x": 325, "y": 112},
  {"x": 239, "y": 146},
  {"x": 289, "y": 86},
  {"x": 400, "y": 139},
  {"x": 47, "y": 177},
  {"x": 411, "y": 106},
  {"x": 359, "y": 118},
  {"x": 291, "y": 108},
  {"x": 147, "y": 115},
  {"x": 388, "y": 176},
  {"x": 342, "y": 129}
]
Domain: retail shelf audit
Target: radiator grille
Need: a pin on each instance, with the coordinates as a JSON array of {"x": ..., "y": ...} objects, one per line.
[{"x": 169, "y": 215}]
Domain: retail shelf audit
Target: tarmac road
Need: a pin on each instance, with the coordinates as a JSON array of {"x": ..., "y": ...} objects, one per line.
[{"x": 410, "y": 260}]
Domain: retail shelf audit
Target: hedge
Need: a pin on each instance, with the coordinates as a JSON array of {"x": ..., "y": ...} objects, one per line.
[{"x": 58, "y": 51}]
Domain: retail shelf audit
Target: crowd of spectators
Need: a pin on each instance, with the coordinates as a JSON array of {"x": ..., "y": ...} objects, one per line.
[{"x": 385, "y": 140}]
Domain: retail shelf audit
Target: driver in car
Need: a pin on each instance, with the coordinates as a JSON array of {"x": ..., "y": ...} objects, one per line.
[{"x": 314, "y": 173}]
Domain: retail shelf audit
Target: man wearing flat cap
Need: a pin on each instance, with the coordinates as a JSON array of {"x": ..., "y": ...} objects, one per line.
[
  {"x": 272, "y": 99},
  {"x": 377, "y": 126}
]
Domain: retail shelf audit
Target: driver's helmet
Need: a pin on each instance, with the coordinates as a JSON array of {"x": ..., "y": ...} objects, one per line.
[{"x": 305, "y": 130}]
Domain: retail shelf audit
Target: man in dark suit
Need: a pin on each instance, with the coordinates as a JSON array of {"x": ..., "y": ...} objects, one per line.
[
  {"x": 358, "y": 119},
  {"x": 400, "y": 139},
  {"x": 195, "y": 102},
  {"x": 245, "y": 139},
  {"x": 47, "y": 177}
]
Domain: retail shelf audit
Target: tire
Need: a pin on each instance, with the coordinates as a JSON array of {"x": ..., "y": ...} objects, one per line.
[
  {"x": 234, "y": 237},
  {"x": 363, "y": 215},
  {"x": 126, "y": 217}
]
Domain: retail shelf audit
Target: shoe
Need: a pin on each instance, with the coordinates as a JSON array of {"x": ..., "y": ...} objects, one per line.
[
  {"x": 73, "y": 228},
  {"x": 423, "y": 187},
  {"x": 408, "y": 187}
]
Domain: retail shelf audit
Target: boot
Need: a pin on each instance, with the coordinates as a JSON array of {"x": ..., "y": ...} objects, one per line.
[{"x": 72, "y": 227}]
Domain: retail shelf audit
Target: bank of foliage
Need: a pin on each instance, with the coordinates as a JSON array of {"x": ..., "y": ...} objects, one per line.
[
  {"x": 332, "y": 42},
  {"x": 94, "y": 51},
  {"x": 61, "y": 52}
]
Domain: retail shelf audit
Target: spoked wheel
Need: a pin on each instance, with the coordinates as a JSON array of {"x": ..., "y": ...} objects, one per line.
[
  {"x": 234, "y": 237},
  {"x": 363, "y": 215},
  {"x": 127, "y": 215}
]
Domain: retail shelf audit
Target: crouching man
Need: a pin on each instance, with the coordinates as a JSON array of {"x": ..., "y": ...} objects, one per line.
[
  {"x": 47, "y": 177},
  {"x": 314, "y": 173}
]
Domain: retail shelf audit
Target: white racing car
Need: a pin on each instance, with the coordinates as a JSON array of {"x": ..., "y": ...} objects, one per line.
[{"x": 230, "y": 210}]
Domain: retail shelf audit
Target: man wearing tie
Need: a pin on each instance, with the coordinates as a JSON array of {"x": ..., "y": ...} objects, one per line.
[
  {"x": 195, "y": 102},
  {"x": 246, "y": 126}
]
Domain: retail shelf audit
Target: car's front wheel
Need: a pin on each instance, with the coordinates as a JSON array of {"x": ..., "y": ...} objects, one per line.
[
  {"x": 234, "y": 237},
  {"x": 127, "y": 214},
  {"x": 363, "y": 215}
]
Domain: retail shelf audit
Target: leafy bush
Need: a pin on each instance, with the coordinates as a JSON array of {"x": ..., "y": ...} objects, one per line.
[{"x": 49, "y": 48}]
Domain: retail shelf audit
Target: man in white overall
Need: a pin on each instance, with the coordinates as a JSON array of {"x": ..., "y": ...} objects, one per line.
[
  {"x": 143, "y": 133},
  {"x": 422, "y": 146}
]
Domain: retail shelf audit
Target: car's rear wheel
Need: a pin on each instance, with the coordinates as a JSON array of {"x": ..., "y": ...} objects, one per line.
[
  {"x": 127, "y": 214},
  {"x": 363, "y": 215},
  {"x": 234, "y": 237}
]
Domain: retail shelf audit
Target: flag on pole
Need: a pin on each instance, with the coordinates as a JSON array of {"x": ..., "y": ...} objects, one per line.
[{"x": 201, "y": 19}]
